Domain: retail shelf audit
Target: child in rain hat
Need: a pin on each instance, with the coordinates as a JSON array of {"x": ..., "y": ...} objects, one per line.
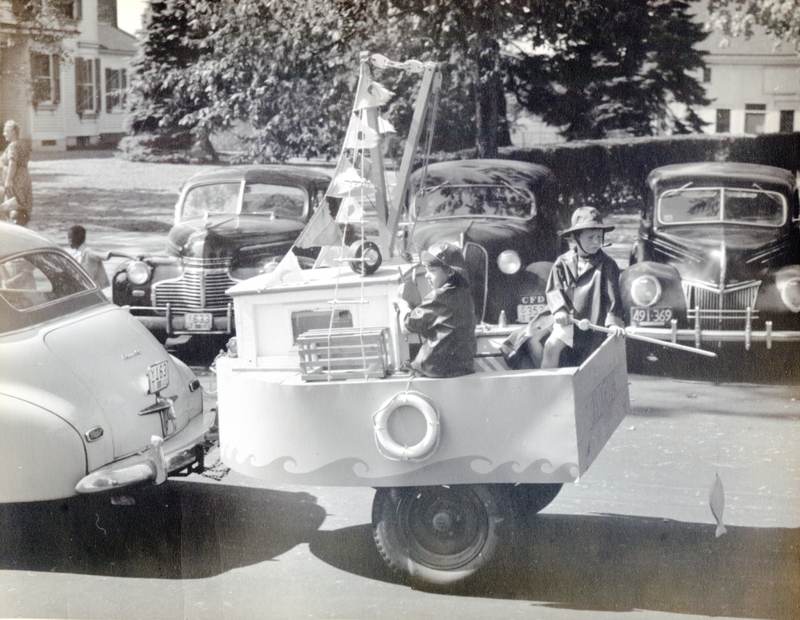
[
  {"x": 446, "y": 317},
  {"x": 583, "y": 284}
]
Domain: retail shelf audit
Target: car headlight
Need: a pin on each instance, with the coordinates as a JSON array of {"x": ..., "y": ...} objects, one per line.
[
  {"x": 645, "y": 291},
  {"x": 509, "y": 262},
  {"x": 790, "y": 293},
  {"x": 138, "y": 272}
]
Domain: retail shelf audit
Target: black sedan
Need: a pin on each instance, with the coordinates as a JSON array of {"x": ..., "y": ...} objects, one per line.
[
  {"x": 717, "y": 256},
  {"x": 502, "y": 213},
  {"x": 230, "y": 224}
]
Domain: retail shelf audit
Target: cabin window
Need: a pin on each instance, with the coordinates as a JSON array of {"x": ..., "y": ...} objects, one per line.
[{"x": 304, "y": 320}]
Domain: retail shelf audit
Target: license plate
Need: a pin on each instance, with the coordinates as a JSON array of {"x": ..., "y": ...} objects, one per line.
[
  {"x": 157, "y": 377},
  {"x": 528, "y": 312},
  {"x": 198, "y": 321},
  {"x": 651, "y": 316}
]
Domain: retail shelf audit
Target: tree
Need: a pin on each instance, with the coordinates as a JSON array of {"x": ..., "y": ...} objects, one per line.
[
  {"x": 780, "y": 18},
  {"x": 287, "y": 68},
  {"x": 594, "y": 67},
  {"x": 166, "y": 89}
]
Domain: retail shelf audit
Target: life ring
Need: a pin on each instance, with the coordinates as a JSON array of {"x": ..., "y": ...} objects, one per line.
[{"x": 393, "y": 450}]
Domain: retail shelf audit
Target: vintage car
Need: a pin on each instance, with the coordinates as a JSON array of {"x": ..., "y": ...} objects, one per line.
[
  {"x": 503, "y": 214},
  {"x": 230, "y": 224},
  {"x": 89, "y": 400},
  {"x": 717, "y": 256}
]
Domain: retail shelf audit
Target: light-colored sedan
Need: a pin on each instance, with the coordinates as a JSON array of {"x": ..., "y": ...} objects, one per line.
[{"x": 89, "y": 400}]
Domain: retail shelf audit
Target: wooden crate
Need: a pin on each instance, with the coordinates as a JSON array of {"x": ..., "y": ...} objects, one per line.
[{"x": 344, "y": 353}]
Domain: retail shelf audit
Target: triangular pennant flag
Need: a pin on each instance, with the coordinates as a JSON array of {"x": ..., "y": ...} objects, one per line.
[
  {"x": 287, "y": 271},
  {"x": 320, "y": 230},
  {"x": 360, "y": 135},
  {"x": 351, "y": 210},
  {"x": 347, "y": 180},
  {"x": 371, "y": 95},
  {"x": 385, "y": 126}
]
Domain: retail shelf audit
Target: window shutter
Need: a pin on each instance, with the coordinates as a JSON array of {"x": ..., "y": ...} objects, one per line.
[
  {"x": 56, "y": 80},
  {"x": 97, "y": 87},
  {"x": 78, "y": 78}
]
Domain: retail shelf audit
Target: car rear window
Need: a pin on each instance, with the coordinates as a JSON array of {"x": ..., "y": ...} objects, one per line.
[
  {"x": 34, "y": 287},
  {"x": 733, "y": 205},
  {"x": 475, "y": 201},
  {"x": 274, "y": 200}
]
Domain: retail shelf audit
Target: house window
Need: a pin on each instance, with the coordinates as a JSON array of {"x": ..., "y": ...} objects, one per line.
[
  {"x": 787, "y": 121},
  {"x": 87, "y": 85},
  {"x": 69, "y": 9},
  {"x": 755, "y": 114},
  {"x": 706, "y": 74},
  {"x": 116, "y": 83},
  {"x": 45, "y": 79},
  {"x": 723, "y": 121}
]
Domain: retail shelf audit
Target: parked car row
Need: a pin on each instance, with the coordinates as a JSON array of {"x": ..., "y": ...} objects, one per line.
[{"x": 717, "y": 256}]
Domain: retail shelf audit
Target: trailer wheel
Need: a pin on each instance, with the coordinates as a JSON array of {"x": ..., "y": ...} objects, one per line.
[
  {"x": 440, "y": 535},
  {"x": 531, "y": 498}
]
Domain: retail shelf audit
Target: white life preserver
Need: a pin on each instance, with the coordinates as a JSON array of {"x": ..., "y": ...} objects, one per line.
[{"x": 393, "y": 450}]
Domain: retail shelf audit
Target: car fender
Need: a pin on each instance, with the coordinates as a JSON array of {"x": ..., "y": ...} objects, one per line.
[
  {"x": 668, "y": 277},
  {"x": 44, "y": 456}
]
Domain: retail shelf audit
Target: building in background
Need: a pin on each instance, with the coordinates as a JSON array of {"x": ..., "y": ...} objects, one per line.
[
  {"x": 75, "y": 101},
  {"x": 754, "y": 86}
]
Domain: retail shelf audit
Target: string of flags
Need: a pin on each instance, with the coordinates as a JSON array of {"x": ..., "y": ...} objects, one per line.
[{"x": 350, "y": 183}]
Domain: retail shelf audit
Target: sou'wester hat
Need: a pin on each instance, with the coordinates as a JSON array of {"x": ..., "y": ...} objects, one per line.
[
  {"x": 445, "y": 255},
  {"x": 584, "y": 218}
]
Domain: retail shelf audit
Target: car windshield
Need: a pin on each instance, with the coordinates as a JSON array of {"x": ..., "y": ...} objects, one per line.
[
  {"x": 475, "y": 201},
  {"x": 257, "y": 199},
  {"x": 690, "y": 205},
  {"x": 35, "y": 280}
]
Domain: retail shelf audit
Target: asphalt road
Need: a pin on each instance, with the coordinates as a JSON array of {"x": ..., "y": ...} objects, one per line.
[{"x": 635, "y": 534}]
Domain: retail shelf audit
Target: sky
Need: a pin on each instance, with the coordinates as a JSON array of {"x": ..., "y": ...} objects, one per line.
[{"x": 129, "y": 14}]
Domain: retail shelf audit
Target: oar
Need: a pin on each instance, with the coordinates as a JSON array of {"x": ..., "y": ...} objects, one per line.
[{"x": 585, "y": 324}]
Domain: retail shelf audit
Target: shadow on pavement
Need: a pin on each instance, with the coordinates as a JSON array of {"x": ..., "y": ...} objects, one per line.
[
  {"x": 183, "y": 530},
  {"x": 779, "y": 365},
  {"x": 619, "y": 564}
]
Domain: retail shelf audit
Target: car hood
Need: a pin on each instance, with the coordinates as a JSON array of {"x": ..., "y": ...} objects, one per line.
[
  {"x": 102, "y": 361},
  {"x": 225, "y": 236},
  {"x": 494, "y": 234},
  {"x": 730, "y": 253}
]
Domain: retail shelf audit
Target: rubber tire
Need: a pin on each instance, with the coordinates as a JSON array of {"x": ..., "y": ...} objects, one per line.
[
  {"x": 436, "y": 535},
  {"x": 531, "y": 498}
]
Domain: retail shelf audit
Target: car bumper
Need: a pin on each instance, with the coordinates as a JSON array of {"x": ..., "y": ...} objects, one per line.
[
  {"x": 174, "y": 323},
  {"x": 157, "y": 461},
  {"x": 698, "y": 336}
]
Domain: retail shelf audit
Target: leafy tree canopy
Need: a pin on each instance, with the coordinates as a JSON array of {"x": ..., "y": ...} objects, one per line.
[
  {"x": 287, "y": 68},
  {"x": 780, "y": 18}
]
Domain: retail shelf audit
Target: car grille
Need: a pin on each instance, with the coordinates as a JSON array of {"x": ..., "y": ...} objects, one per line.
[
  {"x": 721, "y": 309},
  {"x": 478, "y": 264},
  {"x": 201, "y": 287}
]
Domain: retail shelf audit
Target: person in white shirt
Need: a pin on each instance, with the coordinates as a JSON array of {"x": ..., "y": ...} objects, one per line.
[{"x": 90, "y": 260}]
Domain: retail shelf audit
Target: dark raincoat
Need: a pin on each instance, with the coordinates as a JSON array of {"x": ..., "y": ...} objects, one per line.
[
  {"x": 591, "y": 294},
  {"x": 446, "y": 321}
]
